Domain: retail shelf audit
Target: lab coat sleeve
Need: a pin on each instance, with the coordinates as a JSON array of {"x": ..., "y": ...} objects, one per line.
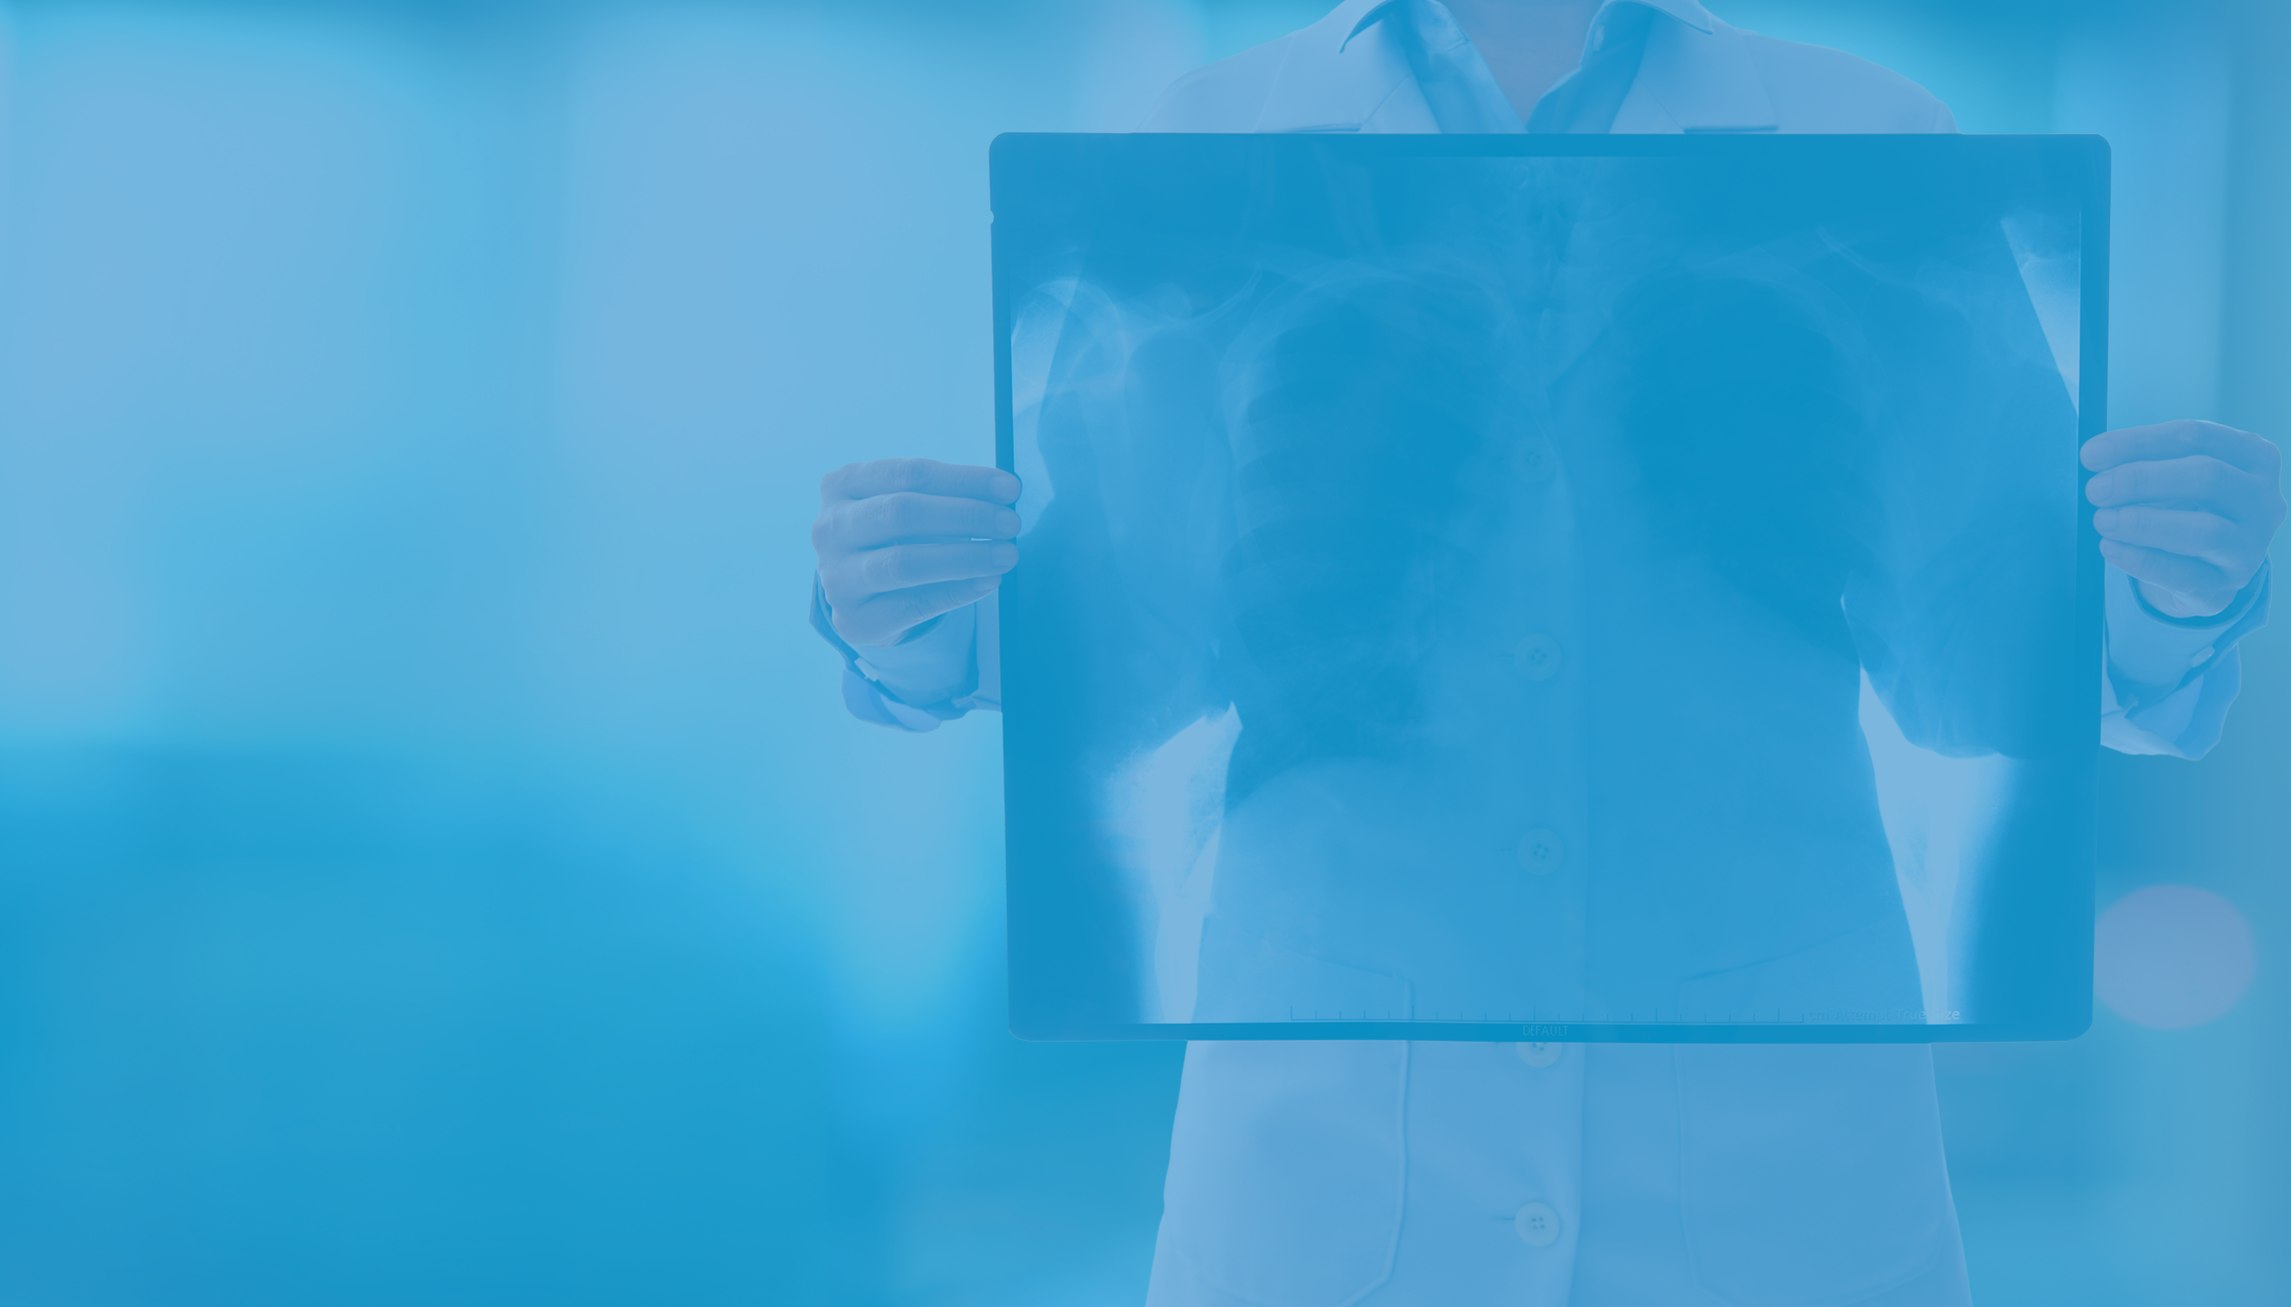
[
  {"x": 913, "y": 685},
  {"x": 2168, "y": 682},
  {"x": 1966, "y": 616},
  {"x": 1110, "y": 619}
]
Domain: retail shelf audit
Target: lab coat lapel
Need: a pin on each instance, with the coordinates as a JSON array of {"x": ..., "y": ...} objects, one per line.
[
  {"x": 1345, "y": 73},
  {"x": 1697, "y": 81},
  {"x": 1349, "y": 73}
]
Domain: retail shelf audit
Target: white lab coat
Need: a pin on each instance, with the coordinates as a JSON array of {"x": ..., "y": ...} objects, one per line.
[
  {"x": 1311, "y": 1175},
  {"x": 1314, "y": 1174},
  {"x": 1317, "y": 1174}
]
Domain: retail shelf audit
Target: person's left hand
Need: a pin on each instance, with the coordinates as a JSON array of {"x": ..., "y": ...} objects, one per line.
[{"x": 2186, "y": 509}]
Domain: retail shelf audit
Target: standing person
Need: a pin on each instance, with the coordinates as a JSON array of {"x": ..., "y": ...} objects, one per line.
[{"x": 1310, "y": 1174}]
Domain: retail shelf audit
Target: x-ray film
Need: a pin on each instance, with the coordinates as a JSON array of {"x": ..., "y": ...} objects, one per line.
[{"x": 1549, "y": 589}]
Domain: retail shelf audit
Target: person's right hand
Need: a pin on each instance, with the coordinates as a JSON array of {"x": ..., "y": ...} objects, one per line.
[{"x": 903, "y": 540}]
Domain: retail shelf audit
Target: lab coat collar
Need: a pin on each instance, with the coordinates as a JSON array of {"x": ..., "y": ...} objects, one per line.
[
  {"x": 1354, "y": 15},
  {"x": 1697, "y": 82},
  {"x": 1347, "y": 73}
]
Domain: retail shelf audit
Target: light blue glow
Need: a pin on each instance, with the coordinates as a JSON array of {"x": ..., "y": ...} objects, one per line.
[{"x": 436, "y": 864}]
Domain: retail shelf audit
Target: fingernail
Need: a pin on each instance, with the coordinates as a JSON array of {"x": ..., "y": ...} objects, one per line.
[
  {"x": 1003, "y": 555},
  {"x": 1006, "y": 523},
  {"x": 1005, "y": 486},
  {"x": 2105, "y": 519}
]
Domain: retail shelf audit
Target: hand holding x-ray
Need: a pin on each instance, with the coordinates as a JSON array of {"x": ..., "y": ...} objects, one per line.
[
  {"x": 903, "y": 541},
  {"x": 2186, "y": 509}
]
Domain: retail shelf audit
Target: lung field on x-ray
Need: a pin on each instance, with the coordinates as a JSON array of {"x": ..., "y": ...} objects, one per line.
[
  {"x": 1371, "y": 419},
  {"x": 1742, "y": 413},
  {"x": 1364, "y": 414}
]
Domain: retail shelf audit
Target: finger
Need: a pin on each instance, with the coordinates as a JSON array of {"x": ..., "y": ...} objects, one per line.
[
  {"x": 2198, "y": 479},
  {"x": 887, "y": 619},
  {"x": 875, "y": 572},
  {"x": 905, "y": 515},
  {"x": 2181, "y": 440},
  {"x": 2199, "y": 535},
  {"x": 2192, "y": 577},
  {"x": 926, "y": 476}
]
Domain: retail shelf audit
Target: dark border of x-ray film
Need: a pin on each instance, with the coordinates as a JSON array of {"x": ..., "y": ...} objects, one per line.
[{"x": 2085, "y": 159}]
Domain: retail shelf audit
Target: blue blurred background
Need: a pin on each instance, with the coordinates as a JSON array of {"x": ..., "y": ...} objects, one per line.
[{"x": 435, "y": 865}]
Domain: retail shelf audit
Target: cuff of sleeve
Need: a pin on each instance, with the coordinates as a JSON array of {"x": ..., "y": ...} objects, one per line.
[
  {"x": 2245, "y": 599},
  {"x": 2153, "y": 656},
  {"x": 889, "y": 680}
]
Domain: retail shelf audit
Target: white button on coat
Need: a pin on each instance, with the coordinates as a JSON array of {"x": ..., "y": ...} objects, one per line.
[
  {"x": 1536, "y": 460},
  {"x": 1541, "y": 851},
  {"x": 1540, "y": 1055},
  {"x": 1538, "y": 657},
  {"x": 1536, "y": 1224}
]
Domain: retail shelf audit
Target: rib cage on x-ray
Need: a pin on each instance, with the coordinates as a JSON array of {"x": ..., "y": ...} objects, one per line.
[{"x": 1369, "y": 417}]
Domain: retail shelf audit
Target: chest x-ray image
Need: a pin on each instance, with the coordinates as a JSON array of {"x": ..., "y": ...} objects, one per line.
[{"x": 1487, "y": 588}]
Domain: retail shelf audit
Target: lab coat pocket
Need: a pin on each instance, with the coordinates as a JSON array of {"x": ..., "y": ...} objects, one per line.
[
  {"x": 1810, "y": 1175},
  {"x": 1287, "y": 1168}
]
